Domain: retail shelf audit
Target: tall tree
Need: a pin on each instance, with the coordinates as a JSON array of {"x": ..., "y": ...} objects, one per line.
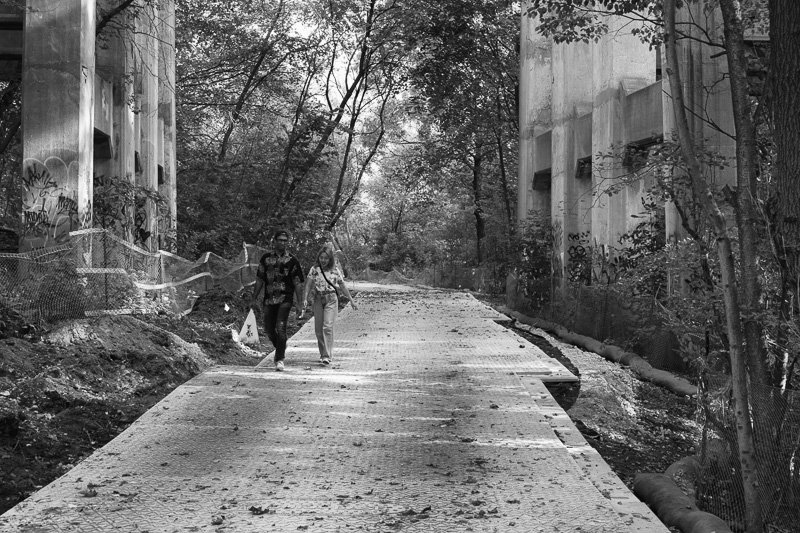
[
  {"x": 280, "y": 110},
  {"x": 464, "y": 78},
  {"x": 360, "y": 61},
  {"x": 784, "y": 75},
  {"x": 738, "y": 356}
]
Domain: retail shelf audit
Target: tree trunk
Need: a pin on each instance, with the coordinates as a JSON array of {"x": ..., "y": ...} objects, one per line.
[
  {"x": 504, "y": 184},
  {"x": 747, "y": 190},
  {"x": 503, "y": 177},
  {"x": 784, "y": 76},
  {"x": 297, "y": 130},
  {"x": 785, "y": 201},
  {"x": 357, "y": 182},
  {"x": 336, "y": 210},
  {"x": 109, "y": 16},
  {"x": 364, "y": 68},
  {"x": 351, "y": 133},
  {"x": 477, "y": 185},
  {"x": 251, "y": 84},
  {"x": 744, "y": 429}
]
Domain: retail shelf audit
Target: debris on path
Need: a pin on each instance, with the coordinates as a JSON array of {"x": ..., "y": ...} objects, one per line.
[{"x": 448, "y": 436}]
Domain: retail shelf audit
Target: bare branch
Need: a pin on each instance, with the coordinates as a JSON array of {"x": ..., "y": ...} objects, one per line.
[{"x": 111, "y": 14}]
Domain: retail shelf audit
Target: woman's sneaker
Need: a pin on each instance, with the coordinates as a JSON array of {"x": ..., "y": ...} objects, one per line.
[
  {"x": 326, "y": 361},
  {"x": 279, "y": 366}
]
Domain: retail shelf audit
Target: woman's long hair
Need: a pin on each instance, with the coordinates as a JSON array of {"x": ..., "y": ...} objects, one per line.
[{"x": 328, "y": 249}]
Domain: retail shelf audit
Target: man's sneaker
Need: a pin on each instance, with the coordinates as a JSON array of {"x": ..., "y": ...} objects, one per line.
[
  {"x": 326, "y": 361},
  {"x": 279, "y": 366}
]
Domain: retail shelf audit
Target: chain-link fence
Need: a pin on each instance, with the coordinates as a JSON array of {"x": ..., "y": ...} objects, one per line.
[
  {"x": 96, "y": 272},
  {"x": 776, "y": 429}
]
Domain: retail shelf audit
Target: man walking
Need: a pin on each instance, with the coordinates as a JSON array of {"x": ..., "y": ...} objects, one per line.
[{"x": 280, "y": 274}]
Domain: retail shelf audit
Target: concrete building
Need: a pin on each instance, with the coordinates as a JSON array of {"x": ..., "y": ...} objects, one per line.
[
  {"x": 92, "y": 106},
  {"x": 580, "y": 103}
]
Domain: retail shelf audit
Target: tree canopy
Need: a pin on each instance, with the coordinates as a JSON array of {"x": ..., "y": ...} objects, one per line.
[{"x": 286, "y": 109}]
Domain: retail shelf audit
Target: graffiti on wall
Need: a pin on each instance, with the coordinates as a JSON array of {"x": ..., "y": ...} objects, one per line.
[
  {"x": 579, "y": 257},
  {"x": 165, "y": 231},
  {"x": 141, "y": 224},
  {"x": 50, "y": 208},
  {"x": 556, "y": 234}
]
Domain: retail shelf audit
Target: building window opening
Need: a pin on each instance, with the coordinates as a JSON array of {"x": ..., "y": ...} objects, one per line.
[
  {"x": 103, "y": 148},
  {"x": 637, "y": 154},
  {"x": 542, "y": 180},
  {"x": 583, "y": 169}
]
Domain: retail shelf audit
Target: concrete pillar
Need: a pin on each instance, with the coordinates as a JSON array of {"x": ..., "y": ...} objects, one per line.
[
  {"x": 672, "y": 223},
  {"x": 707, "y": 94},
  {"x": 535, "y": 91},
  {"x": 58, "y": 113},
  {"x": 116, "y": 64},
  {"x": 622, "y": 64},
  {"x": 644, "y": 123},
  {"x": 166, "y": 64},
  {"x": 571, "y": 98},
  {"x": 146, "y": 227},
  {"x": 716, "y": 99}
]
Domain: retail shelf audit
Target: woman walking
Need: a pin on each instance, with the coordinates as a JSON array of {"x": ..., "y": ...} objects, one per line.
[{"x": 323, "y": 286}]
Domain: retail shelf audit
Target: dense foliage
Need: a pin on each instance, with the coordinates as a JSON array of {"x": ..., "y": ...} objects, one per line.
[{"x": 348, "y": 121}]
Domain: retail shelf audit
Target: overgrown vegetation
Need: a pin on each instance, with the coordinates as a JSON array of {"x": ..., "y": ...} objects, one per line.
[
  {"x": 340, "y": 121},
  {"x": 726, "y": 278},
  {"x": 391, "y": 128}
]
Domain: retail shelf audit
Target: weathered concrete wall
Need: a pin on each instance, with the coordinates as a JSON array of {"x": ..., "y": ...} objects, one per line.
[
  {"x": 622, "y": 64},
  {"x": 603, "y": 97},
  {"x": 572, "y": 97},
  {"x": 614, "y": 80},
  {"x": 166, "y": 111},
  {"x": 535, "y": 117},
  {"x": 707, "y": 94},
  {"x": 542, "y": 179},
  {"x": 644, "y": 113},
  {"x": 145, "y": 231},
  {"x": 582, "y": 178},
  {"x": 115, "y": 63},
  {"x": 57, "y": 114},
  {"x": 718, "y": 129},
  {"x": 643, "y": 124},
  {"x": 96, "y": 108}
]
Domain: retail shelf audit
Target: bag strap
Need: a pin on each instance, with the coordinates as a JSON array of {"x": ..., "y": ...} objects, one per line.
[{"x": 328, "y": 281}]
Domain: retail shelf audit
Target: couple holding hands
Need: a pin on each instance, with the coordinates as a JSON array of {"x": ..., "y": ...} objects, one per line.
[{"x": 281, "y": 277}]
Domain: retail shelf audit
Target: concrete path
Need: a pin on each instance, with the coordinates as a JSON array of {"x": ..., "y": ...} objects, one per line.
[{"x": 433, "y": 418}]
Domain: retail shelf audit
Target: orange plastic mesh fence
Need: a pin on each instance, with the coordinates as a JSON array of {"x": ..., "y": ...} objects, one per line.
[{"x": 96, "y": 272}]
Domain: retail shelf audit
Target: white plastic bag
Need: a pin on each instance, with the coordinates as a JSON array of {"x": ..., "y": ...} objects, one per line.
[{"x": 249, "y": 333}]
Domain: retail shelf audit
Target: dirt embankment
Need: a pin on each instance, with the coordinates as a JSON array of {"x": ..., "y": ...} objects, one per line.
[{"x": 66, "y": 392}]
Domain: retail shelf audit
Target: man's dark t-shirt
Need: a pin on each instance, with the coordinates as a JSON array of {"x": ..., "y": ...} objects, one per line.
[{"x": 280, "y": 274}]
